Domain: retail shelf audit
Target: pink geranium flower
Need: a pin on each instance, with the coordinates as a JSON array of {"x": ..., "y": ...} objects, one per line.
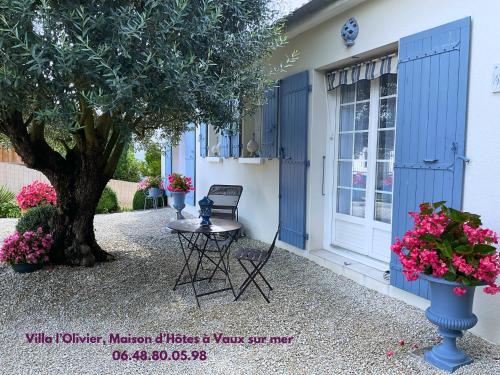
[
  {"x": 35, "y": 194},
  {"x": 450, "y": 244},
  {"x": 29, "y": 247},
  {"x": 459, "y": 291},
  {"x": 180, "y": 183}
]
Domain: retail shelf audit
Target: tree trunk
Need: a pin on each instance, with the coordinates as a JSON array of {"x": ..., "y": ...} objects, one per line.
[
  {"x": 73, "y": 227},
  {"x": 79, "y": 178}
]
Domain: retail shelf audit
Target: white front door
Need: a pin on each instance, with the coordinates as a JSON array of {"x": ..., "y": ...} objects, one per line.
[{"x": 363, "y": 123}]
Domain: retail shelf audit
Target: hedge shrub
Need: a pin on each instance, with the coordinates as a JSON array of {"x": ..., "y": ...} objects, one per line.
[
  {"x": 138, "y": 203},
  {"x": 39, "y": 216},
  {"x": 9, "y": 209},
  {"x": 6, "y": 196},
  {"x": 8, "y": 206},
  {"x": 108, "y": 202}
]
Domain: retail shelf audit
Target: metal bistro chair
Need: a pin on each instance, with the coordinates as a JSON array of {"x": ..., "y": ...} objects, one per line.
[
  {"x": 258, "y": 259},
  {"x": 226, "y": 199},
  {"x": 154, "y": 198}
]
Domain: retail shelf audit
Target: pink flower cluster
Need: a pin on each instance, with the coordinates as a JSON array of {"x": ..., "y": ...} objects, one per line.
[
  {"x": 35, "y": 194},
  {"x": 449, "y": 244},
  {"x": 29, "y": 247},
  {"x": 150, "y": 182},
  {"x": 180, "y": 183},
  {"x": 479, "y": 235}
]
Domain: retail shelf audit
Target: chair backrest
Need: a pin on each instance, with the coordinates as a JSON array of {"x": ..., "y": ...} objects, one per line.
[
  {"x": 225, "y": 196},
  {"x": 273, "y": 244}
]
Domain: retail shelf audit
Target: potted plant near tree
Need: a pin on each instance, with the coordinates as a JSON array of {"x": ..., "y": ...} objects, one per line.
[
  {"x": 26, "y": 252},
  {"x": 179, "y": 186},
  {"x": 451, "y": 250},
  {"x": 152, "y": 185}
]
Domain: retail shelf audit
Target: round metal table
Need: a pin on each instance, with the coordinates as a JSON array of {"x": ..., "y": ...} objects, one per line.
[{"x": 211, "y": 243}]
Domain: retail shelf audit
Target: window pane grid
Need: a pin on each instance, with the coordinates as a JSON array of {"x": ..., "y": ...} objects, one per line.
[
  {"x": 353, "y": 148},
  {"x": 384, "y": 173}
]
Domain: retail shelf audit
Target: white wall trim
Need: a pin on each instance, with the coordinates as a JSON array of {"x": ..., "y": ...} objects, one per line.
[{"x": 331, "y": 11}]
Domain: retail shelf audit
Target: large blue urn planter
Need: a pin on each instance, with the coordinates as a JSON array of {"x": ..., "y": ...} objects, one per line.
[
  {"x": 179, "y": 199},
  {"x": 452, "y": 314}
]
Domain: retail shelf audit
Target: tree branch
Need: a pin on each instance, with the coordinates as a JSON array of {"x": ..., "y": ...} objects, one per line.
[
  {"x": 37, "y": 132},
  {"x": 32, "y": 147},
  {"x": 28, "y": 120},
  {"x": 104, "y": 126},
  {"x": 115, "y": 134},
  {"x": 65, "y": 145},
  {"x": 87, "y": 120},
  {"x": 113, "y": 160}
]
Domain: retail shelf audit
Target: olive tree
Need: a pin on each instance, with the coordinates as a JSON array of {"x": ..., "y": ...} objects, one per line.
[{"x": 78, "y": 79}]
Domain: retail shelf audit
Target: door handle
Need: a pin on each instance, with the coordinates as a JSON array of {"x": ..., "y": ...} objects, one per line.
[{"x": 430, "y": 161}]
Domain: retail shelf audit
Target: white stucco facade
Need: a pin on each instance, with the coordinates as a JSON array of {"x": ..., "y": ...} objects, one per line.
[{"x": 382, "y": 23}]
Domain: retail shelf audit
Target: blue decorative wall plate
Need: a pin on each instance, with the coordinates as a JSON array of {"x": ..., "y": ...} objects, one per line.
[{"x": 350, "y": 31}]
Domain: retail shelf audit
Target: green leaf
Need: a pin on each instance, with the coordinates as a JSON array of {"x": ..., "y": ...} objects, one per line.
[
  {"x": 451, "y": 268},
  {"x": 449, "y": 276},
  {"x": 484, "y": 249},
  {"x": 464, "y": 249},
  {"x": 472, "y": 260},
  {"x": 457, "y": 215},
  {"x": 445, "y": 248},
  {"x": 438, "y": 204}
]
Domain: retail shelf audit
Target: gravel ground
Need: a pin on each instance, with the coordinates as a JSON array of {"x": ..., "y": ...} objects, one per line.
[{"x": 338, "y": 327}]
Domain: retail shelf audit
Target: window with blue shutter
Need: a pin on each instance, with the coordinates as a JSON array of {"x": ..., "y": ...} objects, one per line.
[
  {"x": 269, "y": 144},
  {"x": 431, "y": 123},
  {"x": 293, "y": 121},
  {"x": 235, "y": 141},
  {"x": 167, "y": 167},
  {"x": 203, "y": 140}
]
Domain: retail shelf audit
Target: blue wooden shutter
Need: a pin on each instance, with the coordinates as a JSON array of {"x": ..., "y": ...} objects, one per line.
[
  {"x": 269, "y": 146},
  {"x": 294, "y": 100},
  {"x": 168, "y": 161},
  {"x": 235, "y": 144},
  {"x": 225, "y": 144},
  {"x": 168, "y": 167},
  {"x": 431, "y": 121},
  {"x": 190, "y": 159},
  {"x": 203, "y": 140}
]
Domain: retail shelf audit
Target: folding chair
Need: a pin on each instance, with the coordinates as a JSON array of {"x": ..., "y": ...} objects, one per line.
[
  {"x": 226, "y": 199},
  {"x": 258, "y": 259}
]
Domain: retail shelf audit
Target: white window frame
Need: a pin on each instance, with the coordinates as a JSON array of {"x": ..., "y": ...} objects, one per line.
[{"x": 367, "y": 228}]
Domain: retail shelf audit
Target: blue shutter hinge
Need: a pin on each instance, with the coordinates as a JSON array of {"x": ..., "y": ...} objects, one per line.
[
  {"x": 306, "y": 236},
  {"x": 308, "y": 163},
  {"x": 309, "y": 87},
  {"x": 279, "y": 196}
]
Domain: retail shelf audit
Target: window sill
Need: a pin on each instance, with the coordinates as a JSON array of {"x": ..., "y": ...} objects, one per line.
[
  {"x": 213, "y": 159},
  {"x": 251, "y": 160}
]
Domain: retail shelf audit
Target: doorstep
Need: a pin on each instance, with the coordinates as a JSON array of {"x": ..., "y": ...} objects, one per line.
[{"x": 363, "y": 274}]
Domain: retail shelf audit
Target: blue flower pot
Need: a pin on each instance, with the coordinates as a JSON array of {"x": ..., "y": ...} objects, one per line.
[
  {"x": 452, "y": 314},
  {"x": 154, "y": 192},
  {"x": 26, "y": 267},
  {"x": 179, "y": 199}
]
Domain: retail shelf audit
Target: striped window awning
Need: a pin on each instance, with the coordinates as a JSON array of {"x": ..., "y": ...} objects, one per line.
[{"x": 371, "y": 69}]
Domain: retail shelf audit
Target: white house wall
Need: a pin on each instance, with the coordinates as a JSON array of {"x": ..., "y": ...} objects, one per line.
[{"x": 382, "y": 23}]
